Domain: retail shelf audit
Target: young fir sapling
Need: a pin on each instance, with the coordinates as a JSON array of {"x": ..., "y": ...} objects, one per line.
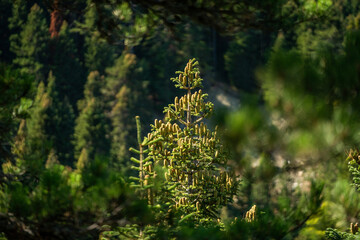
[{"x": 196, "y": 180}]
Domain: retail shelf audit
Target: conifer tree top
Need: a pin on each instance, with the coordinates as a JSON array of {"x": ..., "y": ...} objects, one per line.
[{"x": 190, "y": 77}]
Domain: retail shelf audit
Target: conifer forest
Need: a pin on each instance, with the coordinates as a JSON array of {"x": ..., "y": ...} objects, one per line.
[{"x": 179, "y": 119}]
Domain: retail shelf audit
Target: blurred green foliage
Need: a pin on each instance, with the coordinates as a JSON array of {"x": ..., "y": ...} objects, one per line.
[{"x": 301, "y": 132}]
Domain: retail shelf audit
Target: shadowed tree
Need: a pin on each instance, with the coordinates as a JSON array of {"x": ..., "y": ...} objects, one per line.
[
  {"x": 31, "y": 46},
  {"x": 91, "y": 130},
  {"x": 60, "y": 123}
]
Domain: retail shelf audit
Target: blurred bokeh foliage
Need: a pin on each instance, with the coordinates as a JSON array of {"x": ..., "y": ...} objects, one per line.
[{"x": 300, "y": 134}]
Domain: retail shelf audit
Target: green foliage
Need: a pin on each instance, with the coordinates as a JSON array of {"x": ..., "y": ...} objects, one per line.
[
  {"x": 182, "y": 164},
  {"x": 197, "y": 178},
  {"x": 122, "y": 124},
  {"x": 338, "y": 16},
  {"x": 2, "y": 236},
  {"x": 310, "y": 100},
  {"x": 32, "y": 145},
  {"x": 122, "y": 20},
  {"x": 353, "y": 164},
  {"x": 19, "y": 202},
  {"x": 15, "y": 102},
  {"x": 60, "y": 122},
  {"x": 65, "y": 64},
  {"x": 337, "y": 235},
  {"x": 99, "y": 54},
  {"x": 90, "y": 130},
  {"x": 125, "y": 92},
  {"x": 16, "y": 22},
  {"x": 245, "y": 52},
  {"x": 62, "y": 195},
  {"x": 308, "y": 118},
  {"x": 52, "y": 195},
  {"x": 118, "y": 18},
  {"x": 33, "y": 43}
]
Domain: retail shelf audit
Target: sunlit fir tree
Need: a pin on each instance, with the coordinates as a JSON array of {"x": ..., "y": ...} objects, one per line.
[{"x": 186, "y": 157}]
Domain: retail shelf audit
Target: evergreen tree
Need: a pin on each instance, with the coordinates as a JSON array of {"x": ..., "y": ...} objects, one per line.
[
  {"x": 34, "y": 39},
  {"x": 99, "y": 53},
  {"x": 66, "y": 67},
  {"x": 182, "y": 164},
  {"x": 118, "y": 75},
  {"x": 16, "y": 23},
  {"x": 91, "y": 127},
  {"x": 60, "y": 123},
  {"x": 116, "y": 93},
  {"x": 122, "y": 126},
  {"x": 15, "y": 101},
  {"x": 66, "y": 91},
  {"x": 32, "y": 145},
  {"x": 125, "y": 92}
]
